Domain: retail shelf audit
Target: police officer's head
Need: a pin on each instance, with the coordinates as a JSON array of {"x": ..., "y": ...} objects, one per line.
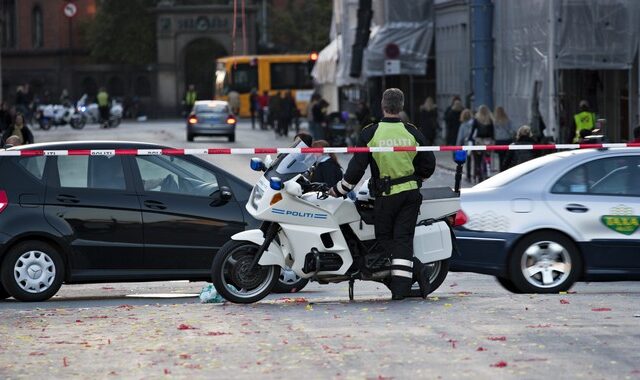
[
  {"x": 583, "y": 105},
  {"x": 392, "y": 101}
]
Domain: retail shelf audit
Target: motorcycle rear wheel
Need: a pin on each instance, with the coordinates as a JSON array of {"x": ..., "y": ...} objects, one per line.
[
  {"x": 439, "y": 271},
  {"x": 78, "y": 123},
  {"x": 233, "y": 277}
]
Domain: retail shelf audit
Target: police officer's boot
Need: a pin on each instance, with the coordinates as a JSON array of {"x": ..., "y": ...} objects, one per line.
[{"x": 400, "y": 287}]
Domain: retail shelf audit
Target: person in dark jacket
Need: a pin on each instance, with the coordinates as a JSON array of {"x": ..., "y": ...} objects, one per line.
[
  {"x": 452, "y": 119},
  {"x": 327, "y": 170},
  {"x": 516, "y": 157},
  {"x": 286, "y": 113},
  {"x": 396, "y": 178},
  {"x": 428, "y": 120},
  {"x": 19, "y": 129},
  {"x": 5, "y": 117}
]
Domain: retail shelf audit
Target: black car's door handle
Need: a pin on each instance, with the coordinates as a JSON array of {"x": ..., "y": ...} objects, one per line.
[
  {"x": 66, "y": 198},
  {"x": 575, "y": 207},
  {"x": 156, "y": 205}
]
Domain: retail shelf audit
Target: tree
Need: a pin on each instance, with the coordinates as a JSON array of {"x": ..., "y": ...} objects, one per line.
[
  {"x": 302, "y": 27},
  {"x": 123, "y": 31}
]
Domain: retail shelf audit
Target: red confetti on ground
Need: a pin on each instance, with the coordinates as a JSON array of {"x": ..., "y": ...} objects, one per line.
[
  {"x": 481, "y": 349},
  {"x": 453, "y": 285},
  {"x": 107, "y": 288},
  {"x": 216, "y": 333},
  {"x": 108, "y": 341},
  {"x": 564, "y": 302},
  {"x": 284, "y": 341},
  {"x": 126, "y": 307},
  {"x": 571, "y": 292},
  {"x": 500, "y": 364},
  {"x": 185, "y": 356},
  {"x": 453, "y": 342},
  {"x": 601, "y": 309},
  {"x": 539, "y": 326},
  {"x": 166, "y": 371},
  {"x": 98, "y": 317},
  {"x": 37, "y": 354},
  {"x": 498, "y": 338},
  {"x": 65, "y": 363},
  {"x": 78, "y": 321},
  {"x": 183, "y": 326}
]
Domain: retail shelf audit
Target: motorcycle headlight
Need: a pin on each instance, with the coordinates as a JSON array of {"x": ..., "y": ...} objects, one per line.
[{"x": 258, "y": 193}]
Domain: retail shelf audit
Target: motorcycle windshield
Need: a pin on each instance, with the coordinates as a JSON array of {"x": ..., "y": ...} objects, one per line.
[{"x": 288, "y": 165}]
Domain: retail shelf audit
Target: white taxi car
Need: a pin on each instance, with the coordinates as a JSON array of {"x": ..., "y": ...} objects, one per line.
[{"x": 564, "y": 217}]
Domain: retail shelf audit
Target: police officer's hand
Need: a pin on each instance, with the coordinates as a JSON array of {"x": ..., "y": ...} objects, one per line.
[{"x": 332, "y": 192}]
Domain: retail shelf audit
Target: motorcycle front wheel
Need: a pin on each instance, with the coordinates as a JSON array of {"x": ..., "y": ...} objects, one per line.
[
  {"x": 437, "y": 274},
  {"x": 78, "y": 123},
  {"x": 234, "y": 276}
]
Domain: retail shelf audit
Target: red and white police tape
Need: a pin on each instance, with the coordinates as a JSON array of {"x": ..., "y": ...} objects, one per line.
[{"x": 247, "y": 151}]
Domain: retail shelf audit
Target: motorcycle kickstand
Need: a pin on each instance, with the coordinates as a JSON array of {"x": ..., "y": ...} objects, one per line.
[{"x": 351, "y": 282}]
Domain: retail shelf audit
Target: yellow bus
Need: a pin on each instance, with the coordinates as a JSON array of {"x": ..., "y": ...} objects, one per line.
[{"x": 271, "y": 73}]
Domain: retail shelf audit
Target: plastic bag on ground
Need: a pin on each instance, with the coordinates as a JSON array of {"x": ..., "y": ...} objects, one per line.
[{"x": 208, "y": 294}]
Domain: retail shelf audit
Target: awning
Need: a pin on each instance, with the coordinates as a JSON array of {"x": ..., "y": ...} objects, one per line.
[{"x": 324, "y": 71}]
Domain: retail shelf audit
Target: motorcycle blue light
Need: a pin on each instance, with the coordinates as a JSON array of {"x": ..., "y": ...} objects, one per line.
[
  {"x": 460, "y": 156},
  {"x": 257, "y": 164},
  {"x": 275, "y": 183}
]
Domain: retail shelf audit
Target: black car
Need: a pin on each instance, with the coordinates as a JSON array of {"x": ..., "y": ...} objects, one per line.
[{"x": 81, "y": 219}]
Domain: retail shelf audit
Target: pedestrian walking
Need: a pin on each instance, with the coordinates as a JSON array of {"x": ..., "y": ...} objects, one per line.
[
  {"x": 21, "y": 101},
  {"x": 503, "y": 133},
  {"x": 452, "y": 120},
  {"x": 263, "y": 109},
  {"x": 524, "y": 136},
  {"x": 396, "y": 178},
  {"x": 5, "y": 117},
  {"x": 464, "y": 133},
  {"x": 103, "y": 106},
  {"x": 286, "y": 113},
  {"x": 190, "y": 98},
  {"x": 428, "y": 120},
  {"x": 482, "y": 133},
  {"x": 274, "y": 110},
  {"x": 328, "y": 169},
  {"x": 253, "y": 106},
  {"x": 312, "y": 102},
  {"x": 584, "y": 120},
  {"x": 20, "y": 130}
]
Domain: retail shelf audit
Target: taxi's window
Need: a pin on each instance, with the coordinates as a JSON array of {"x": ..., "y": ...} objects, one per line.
[{"x": 606, "y": 176}]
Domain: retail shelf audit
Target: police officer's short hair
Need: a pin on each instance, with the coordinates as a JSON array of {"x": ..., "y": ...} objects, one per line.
[{"x": 392, "y": 101}]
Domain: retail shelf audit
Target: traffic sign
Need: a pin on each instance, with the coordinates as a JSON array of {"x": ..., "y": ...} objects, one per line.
[
  {"x": 392, "y": 66},
  {"x": 70, "y": 10}
]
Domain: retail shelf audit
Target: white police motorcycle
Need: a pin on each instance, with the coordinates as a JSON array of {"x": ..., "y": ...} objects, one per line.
[{"x": 325, "y": 239}]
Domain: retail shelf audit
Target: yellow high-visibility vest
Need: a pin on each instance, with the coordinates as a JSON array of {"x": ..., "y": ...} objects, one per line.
[
  {"x": 584, "y": 120},
  {"x": 191, "y": 97}
]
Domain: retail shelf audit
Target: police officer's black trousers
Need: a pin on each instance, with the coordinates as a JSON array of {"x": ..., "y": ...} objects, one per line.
[{"x": 395, "y": 222}]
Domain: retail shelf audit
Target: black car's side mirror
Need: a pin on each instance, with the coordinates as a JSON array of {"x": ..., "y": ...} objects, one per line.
[{"x": 221, "y": 196}]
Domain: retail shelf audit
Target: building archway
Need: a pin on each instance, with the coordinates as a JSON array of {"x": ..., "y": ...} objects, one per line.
[{"x": 199, "y": 65}]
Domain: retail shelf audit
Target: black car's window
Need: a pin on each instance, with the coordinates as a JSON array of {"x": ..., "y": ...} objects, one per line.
[
  {"x": 606, "y": 176},
  {"x": 218, "y": 108},
  {"x": 33, "y": 165},
  {"x": 169, "y": 174},
  {"x": 93, "y": 172}
]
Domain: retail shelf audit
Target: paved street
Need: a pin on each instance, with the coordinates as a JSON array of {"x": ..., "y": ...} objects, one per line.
[{"x": 469, "y": 328}]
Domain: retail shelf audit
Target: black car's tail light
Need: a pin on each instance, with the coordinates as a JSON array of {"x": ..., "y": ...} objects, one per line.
[{"x": 4, "y": 200}]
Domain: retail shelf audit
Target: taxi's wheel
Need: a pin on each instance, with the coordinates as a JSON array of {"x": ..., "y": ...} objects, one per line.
[
  {"x": 32, "y": 271},
  {"x": 289, "y": 282},
  {"x": 544, "y": 262},
  {"x": 508, "y": 285}
]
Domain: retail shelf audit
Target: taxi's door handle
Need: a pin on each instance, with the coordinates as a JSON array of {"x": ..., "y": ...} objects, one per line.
[{"x": 575, "y": 207}]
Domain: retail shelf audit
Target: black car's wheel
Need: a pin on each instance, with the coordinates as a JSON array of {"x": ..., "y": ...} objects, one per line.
[
  {"x": 289, "y": 282},
  {"x": 232, "y": 138},
  {"x": 234, "y": 276},
  {"x": 32, "y": 271},
  {"x": 190, "y": 137},
  {"x": 507, "y": 284},
  {"x": 437, "y": 274},
  {"x": 3, "y": 293},
  {"x": 544, "y": 262}
]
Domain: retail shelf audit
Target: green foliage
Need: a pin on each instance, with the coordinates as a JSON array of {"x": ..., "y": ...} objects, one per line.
[
  {"x": 123, "y": 31},
  {"x": 302, "y": 27}
]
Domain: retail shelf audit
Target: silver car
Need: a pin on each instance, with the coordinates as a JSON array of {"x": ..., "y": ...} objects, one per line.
[
  {"x": 564, "y": 217},
  {"x": 211, "y": 118}
]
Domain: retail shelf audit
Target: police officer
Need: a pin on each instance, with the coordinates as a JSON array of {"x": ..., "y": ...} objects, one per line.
[
  {"x": 396, "y": 178},
  {"x": 585, "y": 120},
  {"x": 190, "y": 98},
  {"x": 103, "y": 106}
]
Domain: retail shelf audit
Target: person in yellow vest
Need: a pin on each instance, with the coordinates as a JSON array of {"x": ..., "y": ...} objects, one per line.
[
  {"x": 585, "y": 120},
  {"x": 103, "y": 105},
  {"x": 190, "y": 99}
]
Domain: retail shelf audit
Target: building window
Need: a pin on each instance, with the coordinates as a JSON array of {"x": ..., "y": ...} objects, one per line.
[
  {"x": 37, "y": 34},
  {"x": 9, "y": 23}
]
